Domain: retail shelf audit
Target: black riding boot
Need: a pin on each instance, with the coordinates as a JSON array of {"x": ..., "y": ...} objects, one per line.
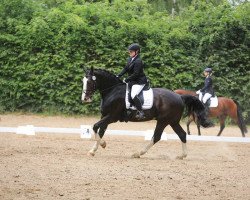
[
  {"x": 206, "y": 105},
  {"x": 137, "y": 103}
]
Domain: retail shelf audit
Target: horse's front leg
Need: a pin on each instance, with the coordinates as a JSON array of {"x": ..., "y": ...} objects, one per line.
[
  {"x": 101, "y": 134},
  {"x": 190, "y": 119},
  {"x": 199, "y": 128},
  {"x": 195, "y": 119},
  {"x": 101, "y": 126},
  {"x": 222, "y": 124},
  {"x": 96, "y": 145}
]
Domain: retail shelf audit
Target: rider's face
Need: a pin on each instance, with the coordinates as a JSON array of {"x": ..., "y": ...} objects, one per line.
[
  {"x": 132, "y": 53},
  {"x": 206, "y": 74}
]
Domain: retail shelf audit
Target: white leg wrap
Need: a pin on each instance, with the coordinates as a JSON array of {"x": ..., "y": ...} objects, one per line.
[
  {"x": 184, "y": 149},
  {"x": 145, "y": 150},
  {"x": 96, "y": 145}
]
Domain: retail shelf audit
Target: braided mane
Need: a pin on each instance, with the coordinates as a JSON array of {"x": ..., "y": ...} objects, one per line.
[{"x": 108, "y": 75}]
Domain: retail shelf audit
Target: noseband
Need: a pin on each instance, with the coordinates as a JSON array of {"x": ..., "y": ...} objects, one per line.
[{"x": 91, "y": 90}]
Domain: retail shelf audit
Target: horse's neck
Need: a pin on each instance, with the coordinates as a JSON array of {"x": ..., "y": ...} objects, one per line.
[
  {"x": 114, "y": 92},
  {"x": 107, "y": 83}
]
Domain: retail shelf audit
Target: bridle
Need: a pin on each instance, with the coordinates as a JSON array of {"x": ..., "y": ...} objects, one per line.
[
  {"x": 94, "y": 86},
  {"x": 90, "y": 90}
]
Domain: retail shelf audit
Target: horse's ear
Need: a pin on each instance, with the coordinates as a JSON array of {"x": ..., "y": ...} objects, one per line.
[
  {"x": 83, "y": 68},
  {"x": 91, "y": 70}
]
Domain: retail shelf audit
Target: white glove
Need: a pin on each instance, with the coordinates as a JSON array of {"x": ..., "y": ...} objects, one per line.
[{"x": 198, "y": 92}]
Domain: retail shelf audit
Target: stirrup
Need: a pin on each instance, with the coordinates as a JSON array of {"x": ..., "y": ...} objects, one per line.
[{"x": 140, "y": 115}]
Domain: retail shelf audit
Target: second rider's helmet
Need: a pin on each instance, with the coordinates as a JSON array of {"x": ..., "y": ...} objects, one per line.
[{"x": 208, "y": 69}]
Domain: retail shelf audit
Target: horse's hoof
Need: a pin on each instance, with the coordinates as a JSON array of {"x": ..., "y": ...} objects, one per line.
[
  {"x": 90, "y": 153},
  {"x": 103, "y": 144},
  {"x": 136, "y": 155},
  {"x": 181, "y": 157}
]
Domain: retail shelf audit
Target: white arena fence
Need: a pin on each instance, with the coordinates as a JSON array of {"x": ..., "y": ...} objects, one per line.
[{"x": 85, "y": 132}]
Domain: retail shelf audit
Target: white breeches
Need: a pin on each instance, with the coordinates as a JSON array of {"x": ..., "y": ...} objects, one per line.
[
  {"x": 205, "y": 97},
  {"x": 136, "y": 89}
]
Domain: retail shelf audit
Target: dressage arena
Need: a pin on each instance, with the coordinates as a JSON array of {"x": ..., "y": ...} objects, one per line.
[{"x": 56, "y": 166}]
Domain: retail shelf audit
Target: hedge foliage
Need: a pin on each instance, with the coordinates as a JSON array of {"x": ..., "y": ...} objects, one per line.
[{"x": 45, "y": 44}]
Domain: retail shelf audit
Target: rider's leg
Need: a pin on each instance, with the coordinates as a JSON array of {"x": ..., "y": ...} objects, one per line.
[
  {"x": 206, "y": 97},
  {"x": 138, "y": 105},
  {"x": 200, "y": 96},
  {"x": 205, "y": 101},
  {"x": 135, "y": 90},
  {"x": 130, "y": 84}
]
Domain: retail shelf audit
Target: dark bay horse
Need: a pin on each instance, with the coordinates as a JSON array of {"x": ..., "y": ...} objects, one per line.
[
  {"x": 167, "y": 108},
  {"x": 226, "y": 108}
]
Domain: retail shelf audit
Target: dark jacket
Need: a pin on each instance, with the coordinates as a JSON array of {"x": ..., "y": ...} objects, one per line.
[
  {"x": 208, "y": 88},
  {"x": 134, "y": 68}
]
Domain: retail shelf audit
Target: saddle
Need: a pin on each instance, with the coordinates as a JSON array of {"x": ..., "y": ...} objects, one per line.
[
  {"x": 212, "y": 102},
  {"x": 146, "y": 97}
]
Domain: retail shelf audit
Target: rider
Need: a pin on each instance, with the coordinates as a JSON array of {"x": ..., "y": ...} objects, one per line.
[
  {"x": 137, "y": 79},
  {"x": 207, "y": 91}
]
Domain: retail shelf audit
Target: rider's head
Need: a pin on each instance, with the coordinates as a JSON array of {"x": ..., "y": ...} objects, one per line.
[
  {"x": 134, "y": 49},
  {"x": 208, "y": 71}
]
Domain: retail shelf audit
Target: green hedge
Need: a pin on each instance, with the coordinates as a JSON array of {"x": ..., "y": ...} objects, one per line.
[{"x": 44, "y": 47}]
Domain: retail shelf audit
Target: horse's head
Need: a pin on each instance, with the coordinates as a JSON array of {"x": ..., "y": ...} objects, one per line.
[
  {"x": 89, "y": 85},
  {"x": 98, "y": 79}
]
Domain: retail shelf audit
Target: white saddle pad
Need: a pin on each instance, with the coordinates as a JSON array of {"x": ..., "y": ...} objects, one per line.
[
  {"x": 148, "y": 100},
  {"x": 214, "y": 102}
]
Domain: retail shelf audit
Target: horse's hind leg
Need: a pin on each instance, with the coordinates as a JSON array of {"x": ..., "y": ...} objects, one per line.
[
  {"x": 182, "y": 135},
  {"x": 156, "y": 137}
]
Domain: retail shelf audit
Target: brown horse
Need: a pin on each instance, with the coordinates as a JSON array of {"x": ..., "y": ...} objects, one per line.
[{"x": 226, "y": 108}]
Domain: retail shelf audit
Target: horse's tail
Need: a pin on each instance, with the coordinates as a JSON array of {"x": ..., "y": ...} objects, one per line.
[
  {"x": 241, "y": 122},
  {"x": 194, "y": 106}
]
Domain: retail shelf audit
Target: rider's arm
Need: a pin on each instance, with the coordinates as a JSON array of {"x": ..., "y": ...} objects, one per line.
[
  {"x": 137, "y": 69},
  {"x": 208, "y": 83},
  {"x": 125, "y": 69},
  {"x": 122, "y": 72}
]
